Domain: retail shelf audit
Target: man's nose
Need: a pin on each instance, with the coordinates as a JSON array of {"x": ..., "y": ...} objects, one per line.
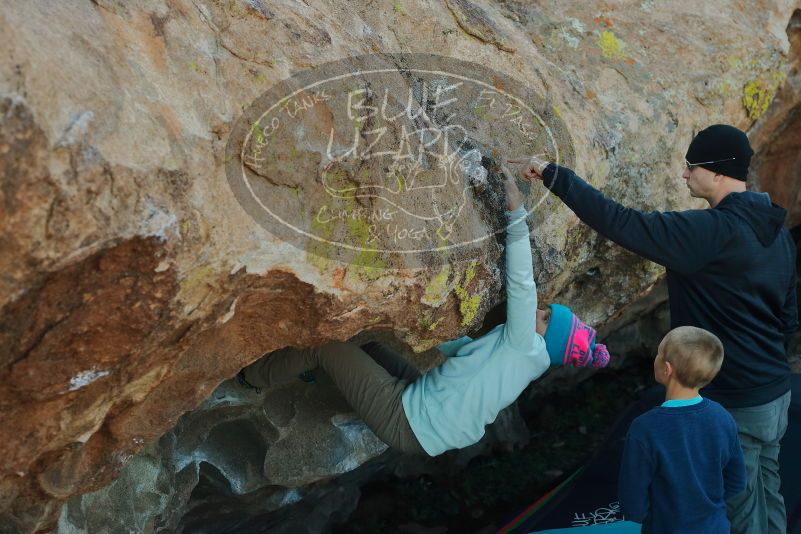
[{"x": 685, "y": 174}]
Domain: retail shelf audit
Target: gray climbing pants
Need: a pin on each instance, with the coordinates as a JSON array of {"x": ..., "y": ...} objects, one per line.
[
  {"x": 372, "y": 379},
  {"x": 760, "y": 508}
]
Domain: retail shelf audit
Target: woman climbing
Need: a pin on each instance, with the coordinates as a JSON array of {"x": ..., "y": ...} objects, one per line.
[{"x": 449, "y": 406}]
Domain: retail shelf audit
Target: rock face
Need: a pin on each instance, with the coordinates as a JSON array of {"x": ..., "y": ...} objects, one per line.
[
  {"x": 777, "y": 165},
  {"x": 244, "y": 454},
  {"x": 267, "y": 449},
  {"x": 134, "y": 282}
]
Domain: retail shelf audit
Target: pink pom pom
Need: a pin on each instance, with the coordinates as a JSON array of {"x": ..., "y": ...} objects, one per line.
[{"x": 600, "y": 356}]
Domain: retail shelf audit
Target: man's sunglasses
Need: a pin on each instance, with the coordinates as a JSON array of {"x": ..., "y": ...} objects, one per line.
[{"x": 692, "y": 166}]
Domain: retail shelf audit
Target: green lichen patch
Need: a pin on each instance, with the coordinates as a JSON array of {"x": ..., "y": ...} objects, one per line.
[
  {"x": 759, "y": 93},
  {"x": 368, "y": 264},
  {"x": 424, "y": 345},
  {"x": 437, "y": 290},
  {"x": 196, "y": 277},
  {"x": 427, "y": 321},
  {"x": 318, "y": 250},
  {"x": 611, "y": 47},
  {"x": 468, "y": 304}
]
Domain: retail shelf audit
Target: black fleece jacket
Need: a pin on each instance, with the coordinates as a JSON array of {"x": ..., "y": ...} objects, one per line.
[{"x": 730, "y": 270}]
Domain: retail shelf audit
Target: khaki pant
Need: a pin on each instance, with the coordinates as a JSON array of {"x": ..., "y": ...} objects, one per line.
[{"x": 372, "y": 379}]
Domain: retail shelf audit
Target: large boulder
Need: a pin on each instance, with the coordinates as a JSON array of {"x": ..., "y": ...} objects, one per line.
[
  {"x": 135, "y": 279},
  {"x": 776, "y": 168}
]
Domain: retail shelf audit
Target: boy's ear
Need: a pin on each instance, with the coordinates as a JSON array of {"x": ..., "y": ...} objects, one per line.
[{"x": 668, "y": 369}]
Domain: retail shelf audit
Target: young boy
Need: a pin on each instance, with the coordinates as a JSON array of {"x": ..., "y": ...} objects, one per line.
[
  {"x": 682, "y": 460},
  {"x": 448, "y": 407}
]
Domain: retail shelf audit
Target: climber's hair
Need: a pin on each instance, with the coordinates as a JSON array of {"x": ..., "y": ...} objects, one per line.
[{"x": 695, "y": 355}]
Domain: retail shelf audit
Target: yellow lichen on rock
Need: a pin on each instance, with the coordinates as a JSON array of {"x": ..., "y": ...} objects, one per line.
[
  {"x": 437, "y": 289},
  {"x": 611, "y": 47},
  {"x": 759, "y": 93},
  {"x": 468, "y": 304}
]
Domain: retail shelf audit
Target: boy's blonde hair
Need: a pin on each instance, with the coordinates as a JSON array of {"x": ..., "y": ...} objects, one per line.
[{"x": 695, "y": 354}]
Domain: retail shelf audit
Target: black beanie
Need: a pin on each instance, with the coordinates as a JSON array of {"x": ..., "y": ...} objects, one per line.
[{"x": 721, "y": 142}]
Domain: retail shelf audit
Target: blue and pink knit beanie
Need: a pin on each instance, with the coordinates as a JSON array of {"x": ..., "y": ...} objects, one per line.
[{"x": 571, "y": 342}]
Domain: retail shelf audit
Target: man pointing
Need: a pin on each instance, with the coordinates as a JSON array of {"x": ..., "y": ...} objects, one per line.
[{"x": 730, "y": 270}]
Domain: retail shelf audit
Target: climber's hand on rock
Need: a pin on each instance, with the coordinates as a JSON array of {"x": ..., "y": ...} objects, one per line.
[
  {"x": 514, "y": 198},
  {"x": 532, "y": 167}
]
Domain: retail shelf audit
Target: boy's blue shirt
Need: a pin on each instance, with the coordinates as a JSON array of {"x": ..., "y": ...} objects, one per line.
[
  {"x": 681, "y": 462},
  {"x": 449, "y": 406}
]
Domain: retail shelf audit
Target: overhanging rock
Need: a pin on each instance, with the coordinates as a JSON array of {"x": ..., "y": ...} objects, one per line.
[{"x": 134, "y": 281}]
